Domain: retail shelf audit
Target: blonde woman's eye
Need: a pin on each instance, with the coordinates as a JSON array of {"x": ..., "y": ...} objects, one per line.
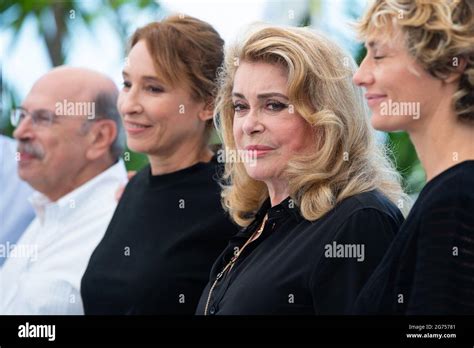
[
  {"x": 276, "y": 106},
  {"x": 126, "y": 84},
  {"x": 238, "y": 107}
]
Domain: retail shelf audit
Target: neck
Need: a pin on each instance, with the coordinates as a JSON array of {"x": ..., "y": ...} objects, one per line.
[
  {"x": 277, "y": 191},
  {"x": 88, "y": 172},
  {"x": 180, "y": 158},
  {"x": 443, "y": 142}
]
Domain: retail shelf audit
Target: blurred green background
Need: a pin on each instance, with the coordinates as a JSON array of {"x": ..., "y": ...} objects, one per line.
[{"x": 14, "y": 16}]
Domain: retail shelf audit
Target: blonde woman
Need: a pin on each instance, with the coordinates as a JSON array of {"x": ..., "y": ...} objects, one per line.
[
  {"x": 314, "y": 194},
  {"x": 421, "y": 56}
]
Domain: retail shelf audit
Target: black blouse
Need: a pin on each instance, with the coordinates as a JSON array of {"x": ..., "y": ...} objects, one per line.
[
  {"x": 164, "y": 236},
  {"x": 429, "y": 269},
  {"x": 301, "y": 267}
]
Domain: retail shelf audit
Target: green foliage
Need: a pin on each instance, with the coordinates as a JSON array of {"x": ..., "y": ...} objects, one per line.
[
  {"x": 361, "y": 52},
  {"x": 406, "y": 161},
  {"x": 134, "y": 161}
]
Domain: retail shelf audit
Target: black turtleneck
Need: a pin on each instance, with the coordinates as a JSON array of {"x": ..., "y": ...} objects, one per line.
[
  {"x": 164, "y": 236},
  {"x": 429, "y": 268}
]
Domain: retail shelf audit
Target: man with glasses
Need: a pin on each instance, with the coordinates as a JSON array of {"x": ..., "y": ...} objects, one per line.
[{"x": 70, "y": 140}]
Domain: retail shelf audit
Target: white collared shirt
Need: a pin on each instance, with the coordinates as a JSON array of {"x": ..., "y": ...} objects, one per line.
[
  {"x": 15, "y": 211},
  {"x": 43, "y": 272}
]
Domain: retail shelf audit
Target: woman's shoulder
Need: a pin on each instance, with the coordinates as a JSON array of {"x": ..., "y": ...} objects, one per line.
[
  {"x": 365, "y": 217},
  {"x": 369, "y": 203},
  {"x": 368, "y": 217},
  {"x": 452, "y": 189},
  {"x": 136, "y": 186},
  {"x": 140, "y": 177}
]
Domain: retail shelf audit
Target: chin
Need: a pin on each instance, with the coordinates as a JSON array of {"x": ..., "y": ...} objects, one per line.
[
  {"x": 387, "y": 123},
  {"x": 28, "y": 176},
  {"x": 137, "y": 146},
  {"x": 257, "y": 172},
  {"x": 22, "y": 173}
]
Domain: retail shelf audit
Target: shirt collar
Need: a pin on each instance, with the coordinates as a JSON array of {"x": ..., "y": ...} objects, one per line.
[
  {"x": 285, "y": 209},
  {"x": 42, "y": 203}
]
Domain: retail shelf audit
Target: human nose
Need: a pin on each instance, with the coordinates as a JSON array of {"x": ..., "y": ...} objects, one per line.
[
  {"x": 252, "y": 123},
  {"x": 128, "y": 103},
  {"x": 25, "y": 129},
  {"x": 363, "y": 76}
]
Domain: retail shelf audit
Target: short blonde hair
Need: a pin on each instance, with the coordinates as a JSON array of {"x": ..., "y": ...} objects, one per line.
[
  {"x": 438, "y": 33},
  {"x": 320, "y": 88}
]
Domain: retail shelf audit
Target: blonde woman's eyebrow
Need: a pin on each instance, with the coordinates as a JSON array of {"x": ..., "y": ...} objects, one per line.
[
  {"x": 238, "y": 95},
  {"x": 270, "y": 95},
  {"x": 371, "y": 44},
  {"x": 261, "y": 96},
  {"x": 383, "y": 46}
]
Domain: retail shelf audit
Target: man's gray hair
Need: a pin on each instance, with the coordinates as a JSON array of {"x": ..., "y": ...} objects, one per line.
[{"x": 106, "y": 109}]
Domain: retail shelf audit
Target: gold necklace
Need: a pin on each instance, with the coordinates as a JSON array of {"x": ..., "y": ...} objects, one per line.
[{"x": 232, "y": 261}]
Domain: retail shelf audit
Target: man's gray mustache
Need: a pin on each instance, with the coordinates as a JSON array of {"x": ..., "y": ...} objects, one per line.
[{"x": 30, "y": 149}]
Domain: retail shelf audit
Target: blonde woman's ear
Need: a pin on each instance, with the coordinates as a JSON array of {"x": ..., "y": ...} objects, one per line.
[{"x": 460, "y": 63}]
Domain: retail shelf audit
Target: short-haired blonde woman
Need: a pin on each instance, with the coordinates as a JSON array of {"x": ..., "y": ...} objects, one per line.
[
  {"x": 169, "y": 225},
  {"x": 314, "y": 193},
  {"x": 421, "y": 56}
]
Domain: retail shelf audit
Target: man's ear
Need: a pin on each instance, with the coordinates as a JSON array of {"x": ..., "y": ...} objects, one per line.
[
  {"x": 207, "y": 112},
  {"x": 460, "y": 63},
  {"x": 101, "y": 136}
]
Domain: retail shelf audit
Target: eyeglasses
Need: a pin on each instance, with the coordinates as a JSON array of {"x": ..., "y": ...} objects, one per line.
[{"x": 40, "y": 117}]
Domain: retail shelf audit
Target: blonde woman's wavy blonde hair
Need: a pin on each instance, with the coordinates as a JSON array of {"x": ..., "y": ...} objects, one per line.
[
  {"x": 345, "y": 162},
  {"x": 438, "y": 33}
]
